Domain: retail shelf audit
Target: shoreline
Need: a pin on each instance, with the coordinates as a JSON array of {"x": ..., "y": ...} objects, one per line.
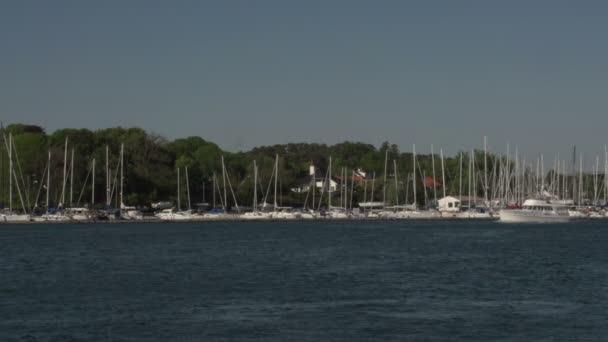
[{"x": 238, "y": 219}]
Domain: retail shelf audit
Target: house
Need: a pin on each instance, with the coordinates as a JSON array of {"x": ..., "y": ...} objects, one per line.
[
  {"x": 304, "y": 185},
  {"x": 448, "y": 204}
]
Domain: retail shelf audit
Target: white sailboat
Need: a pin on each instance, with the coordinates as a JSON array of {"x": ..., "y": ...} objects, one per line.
[
  {"x": 412, "y": 211},
  {"x": 333, "y": 212},
  {"x": 280, "y": 213},
  {"x": 75, "y": 213},
  {"x": 128, "y": 212},
  {"x": 255, "y": 214},
  {"x": 48, "y": 216},
  {"x": 177, "y": 214},
  {"x": 11, "y": 216}
]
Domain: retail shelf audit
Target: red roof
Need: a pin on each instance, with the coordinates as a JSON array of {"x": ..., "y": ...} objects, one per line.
[{"x": 428, "y": 182}]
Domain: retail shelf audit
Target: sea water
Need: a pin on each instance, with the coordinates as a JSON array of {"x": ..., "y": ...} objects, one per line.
[{"x": 304, "y": 281}]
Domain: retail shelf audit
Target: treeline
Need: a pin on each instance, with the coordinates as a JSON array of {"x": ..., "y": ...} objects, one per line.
[{"x": 151, "y": 162}]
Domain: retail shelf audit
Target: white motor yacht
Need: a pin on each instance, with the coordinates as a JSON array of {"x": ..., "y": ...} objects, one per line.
[{"x": 534, "y": 210}]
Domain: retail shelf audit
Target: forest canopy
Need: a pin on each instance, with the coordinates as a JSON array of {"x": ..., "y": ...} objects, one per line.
[{"x": 151, "y": 163}]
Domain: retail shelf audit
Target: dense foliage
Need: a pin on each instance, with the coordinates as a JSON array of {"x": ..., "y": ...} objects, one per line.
[{"x": 151, "y": 163}]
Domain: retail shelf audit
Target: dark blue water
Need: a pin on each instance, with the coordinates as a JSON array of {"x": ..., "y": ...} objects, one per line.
[{"x": 327, "y": 281}]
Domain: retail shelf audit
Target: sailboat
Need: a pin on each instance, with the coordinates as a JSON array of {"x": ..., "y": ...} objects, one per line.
[
  {"x": 178, "y": 214},
  {"x": 280, "y": 213},
  {"x": 334, "y": 212},
  {"x": 11, "y": 216},
  {"x": 369, "y": 206},
  {"x": 412, "y": 211},
  {"x": 308, "y": 212},
  {"x": 126, "y": 212},
  {"x": 255, "y": 214},
  {"x": 75, "y": 213},
  {"x": 56, "y": 216},
  {"x": 174, "y": 214}
]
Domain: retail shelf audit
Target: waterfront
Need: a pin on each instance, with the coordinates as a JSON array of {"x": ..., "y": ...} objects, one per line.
[{"x": 329, "y": 280}]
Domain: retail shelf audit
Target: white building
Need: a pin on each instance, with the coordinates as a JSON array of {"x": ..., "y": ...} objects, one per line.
[
  {"x": 448, "y": 204},
  {"x": 321, "y": 184}
]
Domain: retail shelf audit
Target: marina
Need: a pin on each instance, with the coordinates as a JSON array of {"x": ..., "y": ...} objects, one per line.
[
  {"x": 477, "y": 185},
  {"x": 276, "y": 171}
]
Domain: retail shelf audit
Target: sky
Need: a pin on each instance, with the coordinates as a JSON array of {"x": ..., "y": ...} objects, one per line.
[{"x": 531, "y": 74}]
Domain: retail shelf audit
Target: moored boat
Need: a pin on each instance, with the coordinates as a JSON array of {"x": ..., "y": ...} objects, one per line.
[{"x": 534, "y": 210}]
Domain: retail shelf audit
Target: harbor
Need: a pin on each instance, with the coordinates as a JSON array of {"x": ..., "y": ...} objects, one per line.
[
  {"x": 294, "y": 171},
  {"x": 67, "y": 183}
]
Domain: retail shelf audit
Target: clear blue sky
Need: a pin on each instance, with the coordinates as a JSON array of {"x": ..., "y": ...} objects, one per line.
[{"x": 247, "y": 73}]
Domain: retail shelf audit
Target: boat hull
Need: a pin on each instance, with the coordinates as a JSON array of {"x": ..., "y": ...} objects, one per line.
[
  {"x": 524, "y": 216},
  {"x": 15, "y": 218},
  {"x": 254, "y": 216}
]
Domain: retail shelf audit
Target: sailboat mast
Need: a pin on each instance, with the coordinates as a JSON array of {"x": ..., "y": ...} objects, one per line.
[
  {"x": 507, "y": 176},
  {"x": 3, "y": 136},
  {"x": 276, "y": 178},
  {"x": 516, "y": 173},
  {"x": 65, "y": 165},
  {"x": 373, "y": 186},
  {"x": 122, "y": 174},
  {"x": 92, "y": 185},
  {"x": 595, "y": 193},
  {"x": 542, "y": 176},
  {"x": 345, "y": 182},
  {"x": 564, "y": 185},
  {"x": 72, "y": 178},
  {"x": 225, "y": 190},
  {"x": 580, "y": 186},
  {"x": 470, "y": 176},
  {"x": 178, "y": 192},
  {"x": 460, "y": 179},
  {"x": 10, "y": 172},
  {"x": 433, "y": 166},
  {"x": 345, "y": 188},
  {"x": 573, "y": 172},
  {"x": 396, "y": 183},
  {"x": 314, "y": 185},
  {"x": 557, "y": 178},
  {"x": 352, "y": 190},
  {"x": 414, "y": 174},
  {"x": 605, "y": 174},
  {"x": 426, "y": 198},
  {"x": 107, "y": 175},
  {"x": 522, "y": 181},
  {"x": 385, "y": 166},
  {"x": 442, "y": 173},
  {"x": 48, "y": 182},
  {"x": 342, "y": 187},
  {"x": 485, "y": 169},
  {"x": 329, "y": 192},
  {"x": 213, "y": 192},
  {"x": 188, "y": 189},
  {"x": 255, "y": 186}
]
